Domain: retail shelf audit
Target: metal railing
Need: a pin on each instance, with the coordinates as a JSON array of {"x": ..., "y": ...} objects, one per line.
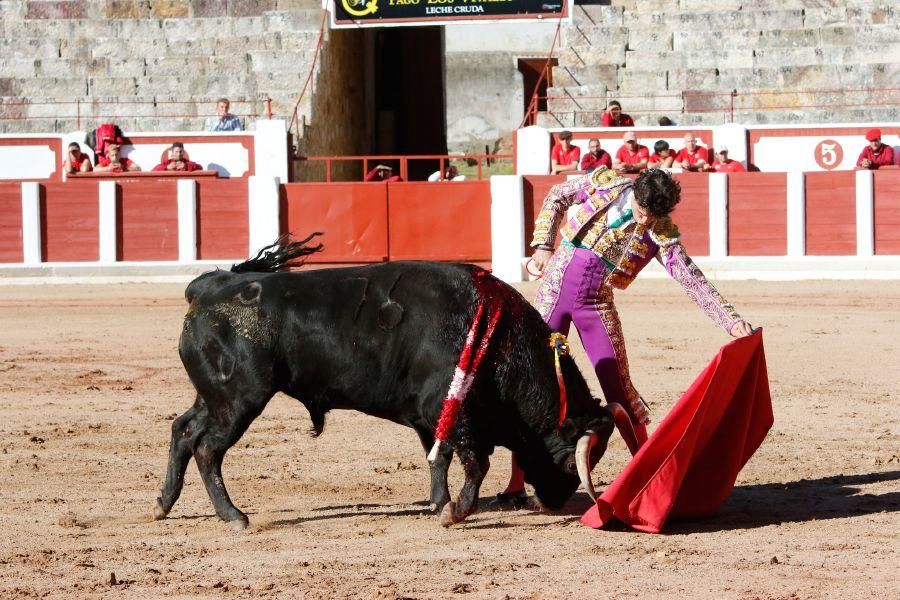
[
  {"x": 100, "y": 111},
  {"x": 473, "y": 166},
  {"x": 726, "y": 103}
]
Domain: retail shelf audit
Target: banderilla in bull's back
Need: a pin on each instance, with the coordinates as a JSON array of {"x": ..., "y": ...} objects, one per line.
[{"x": 386, "y": 340}]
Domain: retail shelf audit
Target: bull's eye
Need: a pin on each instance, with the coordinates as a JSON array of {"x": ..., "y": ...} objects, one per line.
[
  {"x": 571, "y": 467},
  {"x": 189, "y": 298}
]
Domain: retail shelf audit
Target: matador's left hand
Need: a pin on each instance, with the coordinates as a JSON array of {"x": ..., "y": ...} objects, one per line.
[{"x": 741, "y": 329}]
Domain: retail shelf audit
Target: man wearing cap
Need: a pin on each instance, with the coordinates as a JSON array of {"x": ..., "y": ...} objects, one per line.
[
  {"x": 692, "y": 157},
  {"x": 177, "y": 160},
  {"x": 723, "y": 164},
  {"x": 875, "y": 154},
  {"x": 631, "y": 157},
  {"x": 564, "y": 156}
]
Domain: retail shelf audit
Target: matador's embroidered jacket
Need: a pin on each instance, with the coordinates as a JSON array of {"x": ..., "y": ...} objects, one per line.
[{"x": 625, "y": 249}]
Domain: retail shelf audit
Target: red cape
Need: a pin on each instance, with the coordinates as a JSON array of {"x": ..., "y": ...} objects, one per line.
[{"x": 688, "y": 466}]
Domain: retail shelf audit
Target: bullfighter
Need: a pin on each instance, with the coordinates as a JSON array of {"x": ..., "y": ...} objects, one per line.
[{"x": 614, "y": 228}]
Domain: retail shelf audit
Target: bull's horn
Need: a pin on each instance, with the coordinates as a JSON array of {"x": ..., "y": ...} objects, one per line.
[{"x": 583, "y": 461}]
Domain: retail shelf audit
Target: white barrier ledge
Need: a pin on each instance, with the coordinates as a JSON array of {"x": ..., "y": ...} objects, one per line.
[
  {"x": 187, "y": 220},
  {"x": 31, "y": 223},
  {"x": 865, "y": 213},
  {"x": 507, "y": 227},
  {"x": 107, "y": 225}
]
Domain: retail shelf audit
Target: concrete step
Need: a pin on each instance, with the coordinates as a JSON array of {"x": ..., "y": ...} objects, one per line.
[{"x": 834, "y": 36}]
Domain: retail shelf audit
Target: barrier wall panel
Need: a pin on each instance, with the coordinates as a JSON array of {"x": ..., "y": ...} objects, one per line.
[
  {"x": 757, "y": 214},
  {"x": 352, "y": 217},
  {"x": 461, "y": 209},
  {"x": 11, "y": 223},
  {"x": 887, "y": 211},
  {"x": 536, "y": 188},
  {"x": 222, "y": 219},
  {"x": 692, "y": 213},
  {"x": 70, "y": 221},
  {"x": 831, "y": 213},
  {"x": 147, "y": 219}
]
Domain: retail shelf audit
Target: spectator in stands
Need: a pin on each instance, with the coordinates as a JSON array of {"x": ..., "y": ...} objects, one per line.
[
  {"x": 114, "y": 162},
  {"x": 564, "y": 156},
  {"x": 614, "y": 117},
  {"x": 662, "y": 157},
  {"x": 875, "y": 154},
  {"x": 595, "y": 157},
  {"x": 692, "y": 157},
  {"x": 178, "y": 160},
  {"x": 723, "y": 164},
  {"x": 224, "y": 120},
  {"x": 382, "y": 173},
  {"x": 451, "y": 173},
  {"x": 666, "y": 122},
  {"x": 76, "y": 161},
  {"x": 631, "y": 157}
]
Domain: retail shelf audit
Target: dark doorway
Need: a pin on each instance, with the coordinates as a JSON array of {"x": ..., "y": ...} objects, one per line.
[
  {"x": 408, "y": 103},
  {"x": 531, "y": 69}
]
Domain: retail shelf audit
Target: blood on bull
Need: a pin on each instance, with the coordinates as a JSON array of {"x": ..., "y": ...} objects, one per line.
[{"x": 386, "y": 340}]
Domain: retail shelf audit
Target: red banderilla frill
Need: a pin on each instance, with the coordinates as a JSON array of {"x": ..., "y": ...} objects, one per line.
[{"x": 466, "y": 368}]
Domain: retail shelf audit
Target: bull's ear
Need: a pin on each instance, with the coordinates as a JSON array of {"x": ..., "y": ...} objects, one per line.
[{"x": 251, "y": 293}]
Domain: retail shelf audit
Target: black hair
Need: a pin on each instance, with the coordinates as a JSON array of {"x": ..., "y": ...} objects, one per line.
[
  {"x": 613, "y": 103},
  {"x": 657, "y": 191},
  {"x": 178, "y": 145},
  {"x": 665, "y": 122},
  {"x": 660, "y": 145},
  {"x": 76, "y": 144}
]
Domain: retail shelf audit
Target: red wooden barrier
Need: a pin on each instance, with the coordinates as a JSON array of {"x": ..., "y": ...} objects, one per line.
[
  {"x": 887, "y": 212},
  {"x": 222, "y": 219},
  {"x": 147, "y": 219},
  {"x": 692, "y": 213},
  {"x": 536, "y": 188},
  {"x": 70, "y": 221},
  {"x": 757, "y": 214},
  {"x": 11, "y": 222},
  {"x": 353, "y": 217},
  {"x": 831, "y": 213},
  {"x": 440, "y": 221}
]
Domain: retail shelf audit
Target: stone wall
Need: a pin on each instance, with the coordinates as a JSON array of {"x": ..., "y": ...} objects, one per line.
[
  {"x": 149, "y": 66},
  {"x": 676, "y": 51}
]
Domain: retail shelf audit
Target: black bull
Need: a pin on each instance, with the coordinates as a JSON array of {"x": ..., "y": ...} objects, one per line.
[{"x": 384, "y": 340}]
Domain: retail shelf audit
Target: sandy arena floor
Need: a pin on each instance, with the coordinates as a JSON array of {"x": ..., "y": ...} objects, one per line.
[{"x": 90, "y": 381}]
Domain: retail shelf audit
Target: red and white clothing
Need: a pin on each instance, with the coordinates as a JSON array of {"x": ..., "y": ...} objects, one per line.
[
  {"x": 732, "y": 166},
  {"x": 884, "y": 158},
  {"x": 626, "y": 156},
  {"x": 624, "y": 120},
  {"x": 589, "y": 162},
  {"x": 187, "y": 165},
  {"x": 699, "y": 154},
  {"x": 77, "y": 162},
  {"x": 656, "y": 159},
  {"x": 565, "y": 157},
  {"x": 124, "y": 163}
]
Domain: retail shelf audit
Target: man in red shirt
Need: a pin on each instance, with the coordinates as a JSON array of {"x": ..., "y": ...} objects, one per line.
[
  {"x": 692, "y": 157},
  {"x": 875, "y": 154},
  {"x": 114, "y": 162},
  {"x": 723, "y": 164},
  {"x": 76, "y": 160},
  {"x": 177, "y": 160},
  {"x": 662, "y": 157},
  {"x": 564, "y": 156},
  {"x": 631, "y": 157},
  {"x": 595, "y": 157},
  {"x": 382, "y": 173},
  {"x": 614, "y": 117}
]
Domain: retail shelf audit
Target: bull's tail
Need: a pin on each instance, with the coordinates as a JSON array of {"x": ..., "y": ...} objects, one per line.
[{"x": 283, "y": 254}]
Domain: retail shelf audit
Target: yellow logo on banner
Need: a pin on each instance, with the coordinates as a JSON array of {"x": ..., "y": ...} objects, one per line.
[{"x": 360, "y": 8}]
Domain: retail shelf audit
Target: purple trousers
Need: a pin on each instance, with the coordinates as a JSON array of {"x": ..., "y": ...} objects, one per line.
[{"x": 574, "y": 288}]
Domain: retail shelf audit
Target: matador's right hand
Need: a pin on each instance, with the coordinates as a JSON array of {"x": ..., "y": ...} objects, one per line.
[{"x": 541, "y": 258}]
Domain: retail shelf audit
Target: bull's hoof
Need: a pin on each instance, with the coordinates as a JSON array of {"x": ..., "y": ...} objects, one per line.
[
  {"x": 238, "y": 524},
  {"x": 437, "y": 507},
  {"x": 447, "y": 518},
  {"x": 159, "y": 513}
]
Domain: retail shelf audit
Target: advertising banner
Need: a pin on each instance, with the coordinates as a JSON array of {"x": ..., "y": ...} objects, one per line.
[{"x": 382, "y": 13}]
